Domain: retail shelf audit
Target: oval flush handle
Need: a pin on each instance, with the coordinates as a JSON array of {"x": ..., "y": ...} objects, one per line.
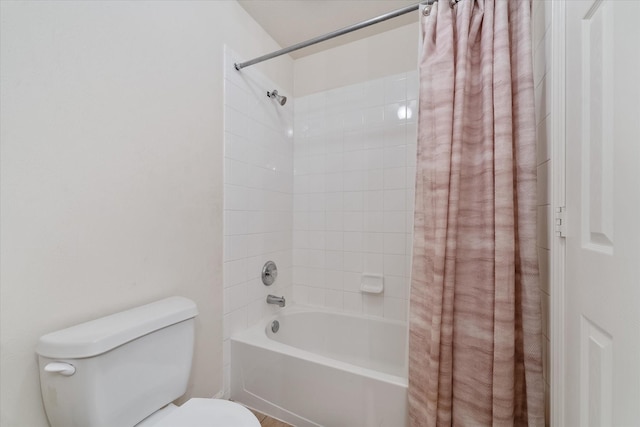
[{"x": 61, "y": 368}]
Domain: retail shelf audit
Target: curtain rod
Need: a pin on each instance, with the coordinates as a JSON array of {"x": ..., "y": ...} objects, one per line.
[{"x": 345, "y": 30}]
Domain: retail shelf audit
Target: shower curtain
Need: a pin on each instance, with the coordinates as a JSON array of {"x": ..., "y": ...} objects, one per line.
[{"x": 475, "y": 332}]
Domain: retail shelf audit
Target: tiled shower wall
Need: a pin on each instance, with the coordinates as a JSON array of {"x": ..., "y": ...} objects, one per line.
[
  {"x": 541, "y": 32},
  {"x": 354, "y": 174},
  {"x": 258, "y": 186}
]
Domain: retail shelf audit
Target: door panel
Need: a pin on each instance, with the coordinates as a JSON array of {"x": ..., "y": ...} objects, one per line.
[{"x": 602, "y": 289}]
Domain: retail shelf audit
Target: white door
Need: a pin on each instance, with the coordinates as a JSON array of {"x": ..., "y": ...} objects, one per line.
[{"x": 602, "y": 290}]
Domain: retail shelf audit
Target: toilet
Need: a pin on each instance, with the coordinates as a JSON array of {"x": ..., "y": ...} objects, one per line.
[{"x": 125, "y": 370}]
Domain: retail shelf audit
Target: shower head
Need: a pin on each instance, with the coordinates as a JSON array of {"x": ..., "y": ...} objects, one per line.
[{"x": 274, "y": 94}]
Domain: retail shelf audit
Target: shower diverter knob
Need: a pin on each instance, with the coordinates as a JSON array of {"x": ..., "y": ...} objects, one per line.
[
  {"x": 61, "y": 368},
  {"x": 269, "y": 273}
]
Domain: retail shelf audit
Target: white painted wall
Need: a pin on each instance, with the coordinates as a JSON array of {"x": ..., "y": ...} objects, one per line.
[
  {"x": 111, "y": 171},
  {"x": 541, "y": 32},
  {"x": 381, "y": 55}
]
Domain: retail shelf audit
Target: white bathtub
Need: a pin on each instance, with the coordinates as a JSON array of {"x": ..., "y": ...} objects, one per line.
[{"x": 323, "y": 368}]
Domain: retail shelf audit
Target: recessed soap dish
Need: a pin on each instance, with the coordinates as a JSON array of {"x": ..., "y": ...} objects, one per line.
[{"x": 371, "y": 284}]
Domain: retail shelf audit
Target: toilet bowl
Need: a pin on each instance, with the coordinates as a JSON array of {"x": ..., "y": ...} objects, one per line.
[
  {"x": 203, "y": 413},
  {"x": 209, "y": 413},
  {"x": 125, "y": 370}
]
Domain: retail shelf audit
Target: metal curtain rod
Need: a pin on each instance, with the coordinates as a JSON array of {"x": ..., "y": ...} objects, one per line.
[{"x": 333, "y": 34}]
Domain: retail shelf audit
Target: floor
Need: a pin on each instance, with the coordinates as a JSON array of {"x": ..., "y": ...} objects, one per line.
[{"x": 267, "y": 421}]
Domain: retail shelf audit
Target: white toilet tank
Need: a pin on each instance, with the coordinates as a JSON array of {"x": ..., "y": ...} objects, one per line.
[{"x": 119, "y": 369}]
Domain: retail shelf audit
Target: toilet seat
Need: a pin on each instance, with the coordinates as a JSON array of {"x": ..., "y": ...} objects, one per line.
[{"x": 210, "y": 413}]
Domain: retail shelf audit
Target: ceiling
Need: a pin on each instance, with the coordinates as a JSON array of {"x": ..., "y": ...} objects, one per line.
[{"x": 293, "y": 21}]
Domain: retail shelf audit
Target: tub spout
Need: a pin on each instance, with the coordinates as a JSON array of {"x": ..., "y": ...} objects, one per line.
[{"x": 272, "y": 299}]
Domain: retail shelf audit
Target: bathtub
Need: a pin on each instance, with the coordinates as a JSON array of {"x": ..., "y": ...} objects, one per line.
[{"x": 323, "y": 368}]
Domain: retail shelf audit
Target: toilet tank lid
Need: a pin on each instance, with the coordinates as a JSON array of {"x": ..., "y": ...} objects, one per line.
[{"x": 101, "y": 335}]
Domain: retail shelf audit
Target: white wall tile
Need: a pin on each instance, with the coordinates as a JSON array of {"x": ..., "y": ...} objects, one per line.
[
  {"x": 544, "y": 184},
  {"x": 353, "y": 200},
  {"x": 373, "y": 116},
  {"x": 235, "y": 172},
  {"x": 411, "y": 177},
  {"x": 373, "y": 201},
  {"x": 544, "y": 223},
  {"x": 373, "y": 221},
  {"x": 256, "y": 290},
  {"x": 234, "y": 222},
  {"x": 353, "y": 261},
  {"x": 375, "y": 137},
  {"x": 538, "y": 22},
  {"x": 373, "y": 305},
  {"x": 373, "y": 264},
  {"x": 409, "y": 223},
  {"x": 354, "y": 181},
  {"x": 395, "y": 88},
  {"x": 373, "y": 242},
  {"x": 333, "y": 221},
  {"x": 316, "y": 258},
  {"x": 395, "y": 157},
  {"x": 316, "y": 277},
  {"x": 545, "y": 313},
  {"x": 351, "y": 281},
  {"x": 235, "y": 122},
  {"x": 352, "y": 241},
  {"x": 334, "y": 201},
  {"x": 333, "y": 299},
  {"x": 395, "y": 243},
  {"x": 316, "y": 296},
  {"x": 300, "y": 294},
  {"x": 234, "y": 321},
  {"x": 413, "y": 85},
  {"x": 333, "y": 240},
  {"x": 544, "y": 261},
  {"x": 334, "y": 182},
  {"x": 352, "y": 221},
  {"x": 334, "y": 260},
  {"x": 394, "y": 178},
  {"x": 396, "y": 286},
  {"x": 352, "y": 302},
  {"x": 355, "y": 160},
  {"x": 226, "y": 352},
  {"x": 235, "y": 247},
  {"x": 395, "y": 308},
  {"x": 543, "y": 135},
  {"x": 353, "y": 140},
  {"x": 255, "y": 311},
  {"x": 395, "y": 265},
  {"x": 394, "y": 222},
  {"x": 235, "y": 297},
  {"x": 395, "y": 200},
  {"x": 411, "y": 136},
  {"x": 234, "y": 272},
  {"x": 375, "y": 158},
  {"x": 375, "y": 180},
  {"x": 395, "y": 132},
  {"x": 316, "y": 221},
  {"x": 334, "y": 279}
]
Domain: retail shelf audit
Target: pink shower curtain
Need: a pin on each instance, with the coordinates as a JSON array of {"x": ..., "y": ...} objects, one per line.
[{"x": 475, "y": 333}]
